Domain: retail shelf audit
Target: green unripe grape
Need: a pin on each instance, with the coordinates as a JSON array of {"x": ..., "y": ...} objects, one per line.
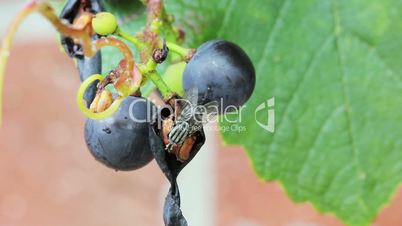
[
  {"x": 173, "y": 77},
  {"x": 104, "y": 23}
]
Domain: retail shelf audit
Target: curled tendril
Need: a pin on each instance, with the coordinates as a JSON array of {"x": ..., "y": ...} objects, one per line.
[
  {"x": 82, "y": 105},
  {"x": 128, "y": 82}
]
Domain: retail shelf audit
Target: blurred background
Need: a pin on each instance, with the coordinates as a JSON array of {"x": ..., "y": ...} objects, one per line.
[{"x": 48, "y": 177}]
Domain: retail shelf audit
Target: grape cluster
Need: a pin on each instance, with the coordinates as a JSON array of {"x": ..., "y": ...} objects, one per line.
[
  {"x": 218, "y": 71},
  {"x": 124, "y": 131}
]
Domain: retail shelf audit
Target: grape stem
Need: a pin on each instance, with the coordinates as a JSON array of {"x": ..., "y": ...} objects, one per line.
[
  {"x": 149, "y": 71},
  {"x": 138, "y": 44},
  {"x": 162, "y": 86},
  {"x": 183, "y": 52}
]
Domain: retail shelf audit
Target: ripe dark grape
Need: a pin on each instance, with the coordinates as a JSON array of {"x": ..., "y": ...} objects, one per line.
[
  {"x": 118, "y": 141},
  {"x": 220, "y": 71}
]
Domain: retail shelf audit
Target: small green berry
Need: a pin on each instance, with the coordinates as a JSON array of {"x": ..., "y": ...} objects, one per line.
[{"x": 104, "y": 23}]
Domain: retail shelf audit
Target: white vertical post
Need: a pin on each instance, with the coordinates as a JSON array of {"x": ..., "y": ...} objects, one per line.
[{"x": 197, "y": 184}]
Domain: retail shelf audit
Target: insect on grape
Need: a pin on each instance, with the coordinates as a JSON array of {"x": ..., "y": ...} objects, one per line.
[{"x": 188, "y": 122}]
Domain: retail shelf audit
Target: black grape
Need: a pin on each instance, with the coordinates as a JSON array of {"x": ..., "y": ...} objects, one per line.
[
  {"x": 220, "y": 71},
  {"x": 120, "y": 142}
]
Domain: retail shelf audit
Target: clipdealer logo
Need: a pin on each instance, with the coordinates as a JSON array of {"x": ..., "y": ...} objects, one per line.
[
  {"x": 232, "y": 116},
  {"x": 268, "y": 107}
]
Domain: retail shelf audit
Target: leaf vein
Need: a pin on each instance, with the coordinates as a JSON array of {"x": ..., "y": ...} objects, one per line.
[
  {"x": 337, "y": 31},
  {"x": 271, "y": 38},
  {"x": 311, "y": 64},
  {"x": 226, "y": 18},
  {"x": 372, "y": 49},
  {"x": 317, "y": 137}
]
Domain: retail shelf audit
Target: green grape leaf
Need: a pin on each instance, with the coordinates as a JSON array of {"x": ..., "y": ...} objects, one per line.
[{"x": 333, "y": 68}]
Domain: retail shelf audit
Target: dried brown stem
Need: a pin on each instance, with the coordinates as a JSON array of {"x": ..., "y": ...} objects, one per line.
[
  {"x": 129, "y": 63},
  {"x": 155, "y": 8}
]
